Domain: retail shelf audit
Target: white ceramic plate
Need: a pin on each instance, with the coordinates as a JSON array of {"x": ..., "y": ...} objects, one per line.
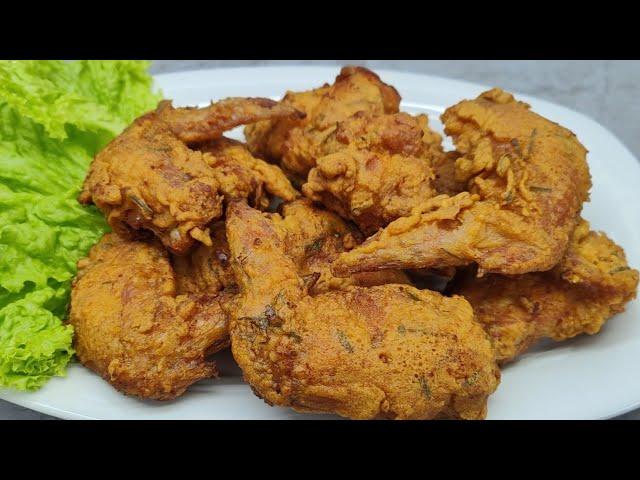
[{"x": 585, "y": 378}]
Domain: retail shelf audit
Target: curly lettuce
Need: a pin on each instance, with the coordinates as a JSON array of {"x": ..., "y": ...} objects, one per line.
[{"x": 54, "y": 117}]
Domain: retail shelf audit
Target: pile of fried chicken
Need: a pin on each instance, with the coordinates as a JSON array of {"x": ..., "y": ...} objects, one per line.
[{"x": 352, "y": 265}]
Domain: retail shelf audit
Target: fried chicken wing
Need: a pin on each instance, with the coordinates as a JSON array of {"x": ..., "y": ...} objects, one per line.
[
  {"x": 389, "y": 351},
  {"x": 148, "y": 178},
  {"x": 194, "y": 125},
  {"x": 134, "y": 329},
  {"x": 293, "y": 143},
  {"x": 527, "y": 178},
  {"x": 591, "y": 284},
  {"x": 375, "y": 168},
  {"x": 313, "y": 238}
]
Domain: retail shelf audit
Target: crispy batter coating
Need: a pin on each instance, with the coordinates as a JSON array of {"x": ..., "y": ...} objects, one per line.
[
  {"x": 591, "y": 284},
  {"x": 375, "y": 168},
  {"x": 389, "y": 351},
  {"x": 241, "y": 175},
  {"x": 363, "y": 159},
  {"x": 313, "y": 238},
  {"x": 527, "y": 178},
  {"x": 149, "y": 179},
  {"x": 206, "y": 268},
  {"x": 133, "y": 329},
  {"x": 293, "y": 143}
]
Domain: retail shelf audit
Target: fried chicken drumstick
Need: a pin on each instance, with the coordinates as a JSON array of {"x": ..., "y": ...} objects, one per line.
[
  {"x": 591, "y": 284},
  {"x": 526, "y": 177},
  {"x": 149, "y": 178},
  {"x": 135, "y": 329},
  {"x": 389, "y": 351}
]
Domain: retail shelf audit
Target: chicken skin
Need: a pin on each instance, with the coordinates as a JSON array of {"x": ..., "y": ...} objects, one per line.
[
  {"x": 375, "y": 168},
  {"x": 591, "y": 284},
  {"x": 389, "y": 351},
  {"x": 134, "y": 329},
  {"x": 313, "y": 238},
  {"x": 526, "y": 179},
  {"x": 149, "y": 179},
  {"x": 293, "y": 142}
]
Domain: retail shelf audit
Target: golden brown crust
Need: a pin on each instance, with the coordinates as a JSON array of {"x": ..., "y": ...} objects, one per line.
[
  {"x": 292, "y": 143},
  {"x": 375, "y": 168},
  {"x": 527, "y": 178},
  {"x": 356, "y": 153},
  {"x": 241, "y": 175},
  {"x": 149, "y": 179},
  {"x": 389, "y": 351},
  {"x": 206, "y": 268},
  {"x": 444, "y": 168},
  {"x": 133, "y": 329},
  {"x": 313, "y": 239},
  {"x": 591, "y": 284}
]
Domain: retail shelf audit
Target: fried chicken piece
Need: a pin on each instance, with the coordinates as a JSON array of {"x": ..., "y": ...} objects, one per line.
[
  {"x": 133, "y": 329},
  {"x": 375, "y": 168},
  {"x": 591, "y": 284},
  {"x": 206, "y": 268},
  {"x": 527, "y": 179},
  {"x": 389, "y": 351},
  {"x": 241, "y": 175},
  {"x": 196, "y": 125},
  {"x": 313, "y": 238},
  {"x": 293, "y": 143},
  {"x": 363, "y": 159},
  {"x": 148, "y": 178}
]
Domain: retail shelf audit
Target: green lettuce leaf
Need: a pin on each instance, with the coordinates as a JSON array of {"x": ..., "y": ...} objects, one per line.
[{"x": 54, "y": 117}]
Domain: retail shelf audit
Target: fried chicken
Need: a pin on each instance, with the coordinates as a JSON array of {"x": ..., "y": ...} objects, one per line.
[
  {"x": 313, "y": 238},
  {"x": 354, "y": 152},
  {"x": 526, "y": 177},
  {"x": 134, "y": 329},
  {"x": 389, "y": 351},
  {"x": 375, "y": 168},
  {"x": 293, "y": 143},
  {"x": 206, "y": 268},
  {"x": 241, "y": 175},
  {"x": 591, "y": 284},
  {"x": 149, "y": 179}
]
